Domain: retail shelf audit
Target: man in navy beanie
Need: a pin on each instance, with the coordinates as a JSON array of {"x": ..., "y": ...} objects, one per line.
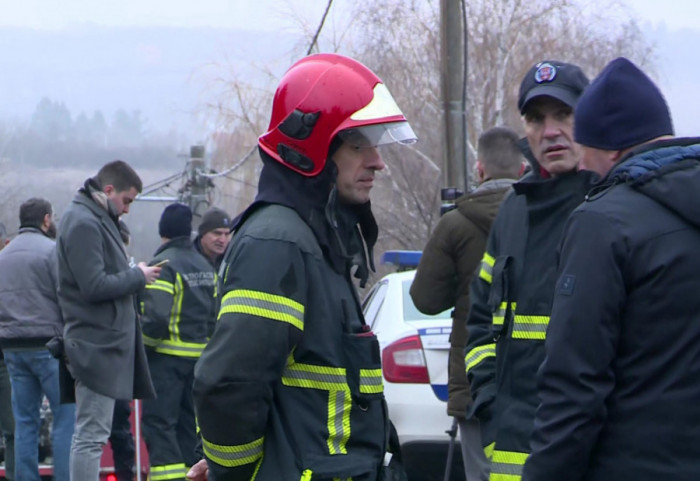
[
  {"x": 179, "y": 311},
  {"x": 619, "y": 383}
]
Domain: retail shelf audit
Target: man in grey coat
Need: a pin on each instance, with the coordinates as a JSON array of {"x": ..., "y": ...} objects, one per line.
[
  {"x": 29, "y": 317},
  {"x": 103, "y": 345}
]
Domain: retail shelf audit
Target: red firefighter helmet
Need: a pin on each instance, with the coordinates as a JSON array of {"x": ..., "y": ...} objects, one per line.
[{"x": 325, "y": 95}]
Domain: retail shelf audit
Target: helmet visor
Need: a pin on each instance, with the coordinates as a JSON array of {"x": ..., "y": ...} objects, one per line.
[{"x": 378, "y": 134}]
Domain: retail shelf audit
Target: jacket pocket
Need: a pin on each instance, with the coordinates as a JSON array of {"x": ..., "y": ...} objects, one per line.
[{"x": 342, "y": 467}]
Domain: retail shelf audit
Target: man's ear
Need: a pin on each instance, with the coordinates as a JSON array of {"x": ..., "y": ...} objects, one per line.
[{"x": 108, "y": 189}]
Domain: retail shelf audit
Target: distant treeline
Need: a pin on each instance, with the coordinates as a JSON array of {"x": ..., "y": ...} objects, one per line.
[{"x": 54, "y": 138}]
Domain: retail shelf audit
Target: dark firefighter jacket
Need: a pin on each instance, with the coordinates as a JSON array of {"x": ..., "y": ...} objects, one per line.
[
  {"x": 179, "y": 308},
  {"x": 290, "y": 387},
  {"x": 619, "y": 385},
  {"x": 511, "y": 302},
  {"x": 446, "y": 269}
]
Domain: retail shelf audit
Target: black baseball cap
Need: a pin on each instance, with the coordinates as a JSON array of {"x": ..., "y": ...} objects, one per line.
[{"x": 561, "y": 80}]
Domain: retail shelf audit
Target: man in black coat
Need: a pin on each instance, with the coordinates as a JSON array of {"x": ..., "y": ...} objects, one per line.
[
  {"x": 103, "y": 345},
  {"x": 619, "y": 383}
]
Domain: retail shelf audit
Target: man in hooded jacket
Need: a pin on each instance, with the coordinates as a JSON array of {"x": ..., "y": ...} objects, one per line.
[
  {"x": 447, "y": 266},
  {"x": 290, "y": 385},
  {"x": 619, "y": 383}
]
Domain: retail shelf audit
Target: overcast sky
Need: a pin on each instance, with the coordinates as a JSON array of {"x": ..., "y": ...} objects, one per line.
[{"x": 678, "y": 66}]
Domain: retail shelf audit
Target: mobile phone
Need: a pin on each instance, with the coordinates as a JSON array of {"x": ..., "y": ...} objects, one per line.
[{"x": 161, "y": 263}]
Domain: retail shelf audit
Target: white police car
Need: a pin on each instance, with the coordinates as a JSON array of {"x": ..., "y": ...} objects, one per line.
[{"x": 415, "y": 351}]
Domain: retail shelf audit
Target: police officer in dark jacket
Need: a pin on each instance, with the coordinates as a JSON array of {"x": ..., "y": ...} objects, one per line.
[
  {"x": 619, "y": 386},
  {"x": 178, "y": 318}
]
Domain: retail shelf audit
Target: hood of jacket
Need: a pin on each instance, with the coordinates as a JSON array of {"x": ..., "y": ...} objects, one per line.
[
  {"x": 346, "y": 233},
  {"x": 666, "y": 171},
  {"x": 481, "y": 205}
]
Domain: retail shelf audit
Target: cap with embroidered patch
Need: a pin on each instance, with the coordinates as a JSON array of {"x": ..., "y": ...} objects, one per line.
[{"x": 561, "y": 80}]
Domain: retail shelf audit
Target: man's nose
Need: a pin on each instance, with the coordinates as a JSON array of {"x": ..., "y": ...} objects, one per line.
[
  {"x": 373, "y": 159},
  {"x": 552, "y": 127}
]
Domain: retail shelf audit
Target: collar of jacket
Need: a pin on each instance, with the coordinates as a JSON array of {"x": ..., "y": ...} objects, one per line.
[
  {"x": 182, "y": 241},
  {"x": 30, "y": 229},
  {"x": 649, "y": 158},
  {"x": 533, "y": 186},
  {"x": 314, "y": 200},
  {"x": 93, "y": 191}
]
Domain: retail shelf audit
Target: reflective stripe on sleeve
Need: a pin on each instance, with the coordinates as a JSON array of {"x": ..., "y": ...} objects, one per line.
[
  {"x": 165, "y": 286},
  {"x": 530, "y": 327},
  {"x": 262, "y": 304},
  {"x": 169, "y": 471},
  {"x": 232, "y": 456},
  {"x": 507, "y": 465},
  {"x": 478, "y": 354},
  {"x": 486, "y": 271},
  {"x": 178, "y": 348},
  {"x": 371, "y": 381},
  {"x": 499, "y": 316}
]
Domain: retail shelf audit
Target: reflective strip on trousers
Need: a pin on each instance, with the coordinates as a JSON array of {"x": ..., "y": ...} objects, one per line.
[
  {"x": 169, "y": 471},
  {"x": 507, "y": 465},
  {"x": 232, "y": 456},
  {"x": 530, "y": 327},
  {"x": 263, "y": 304},
  {"x": 486, "y": 271},
  {"x": 371, "y": 381},
  {"x": 478, "y": 354}
]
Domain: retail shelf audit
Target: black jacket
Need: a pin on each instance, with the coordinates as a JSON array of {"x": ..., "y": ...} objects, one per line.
[
  {"x": 511, "y": 301},
  {"x": 179, "y": 308},
  {"x": 619, "y": 385},
  {"x": 290, "y": 386}
]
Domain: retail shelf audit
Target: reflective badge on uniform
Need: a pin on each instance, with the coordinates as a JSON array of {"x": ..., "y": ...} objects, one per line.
[
  {"x": 545, "y": 73},
  {"x": 566, "y": 285}
]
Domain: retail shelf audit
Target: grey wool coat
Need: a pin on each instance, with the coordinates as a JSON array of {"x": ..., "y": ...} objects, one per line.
[{"x": 96, "y": 289}]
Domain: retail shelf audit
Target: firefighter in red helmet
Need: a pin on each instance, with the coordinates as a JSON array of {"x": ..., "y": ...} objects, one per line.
[{"x": 290, "y": 385}]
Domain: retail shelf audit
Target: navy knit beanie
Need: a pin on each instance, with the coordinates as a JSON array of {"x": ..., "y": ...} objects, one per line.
[
  {"x": 176, "y": 221},
  {"x": 621, "y": 108}
]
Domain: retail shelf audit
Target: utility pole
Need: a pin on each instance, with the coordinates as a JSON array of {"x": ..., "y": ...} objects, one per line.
[
  {"x": 195, "y": 193},
  {"x": 452, "y": 58}
]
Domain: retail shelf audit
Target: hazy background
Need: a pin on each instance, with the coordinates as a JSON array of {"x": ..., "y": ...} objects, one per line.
[{"x": 145, "y": 79}]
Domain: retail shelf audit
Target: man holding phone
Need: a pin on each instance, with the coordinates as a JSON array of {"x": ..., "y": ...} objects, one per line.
[
  {"x": 179, "y": 311},
  {"x": 96, "y": 289}
]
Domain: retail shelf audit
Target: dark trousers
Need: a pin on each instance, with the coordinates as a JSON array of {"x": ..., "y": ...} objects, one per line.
[
  {"x": 122, "y": 441},
  {"x": 168, "y": 421}
]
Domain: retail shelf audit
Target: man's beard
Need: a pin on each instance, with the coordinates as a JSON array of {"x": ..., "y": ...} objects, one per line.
[{"x": 51, "y": 230}]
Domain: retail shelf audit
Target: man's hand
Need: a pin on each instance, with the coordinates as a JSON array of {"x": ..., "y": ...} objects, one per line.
[
  {"x": 150, "y": 272},
  {"x": 199, "y": 471}
]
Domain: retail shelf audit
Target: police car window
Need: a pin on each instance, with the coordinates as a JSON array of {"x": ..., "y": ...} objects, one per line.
[
  {"x": 411, "y": 312},
  {"x": 373, "y": 303}
]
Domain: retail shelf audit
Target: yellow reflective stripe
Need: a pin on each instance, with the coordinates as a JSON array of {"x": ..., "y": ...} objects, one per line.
[
  {"x": 178, "y": 348},
  {"x": 486, "y": 272},
  {"x": 371, "y": 381},
  {"x": 306, "y": 475},
  {"x": 507, "y": 465},
  {"x": 499, "y": 316},
  {"x": 150, "y": 341},
  {"x": 315, "y": 377},
  {"x": 231, "y": 456},
  {"x": 169, "y": 471},
  {"x": 176, "y": 310},
  {"x": 478, "y": 354},
  {"x": 162, "y": 286},
  {"x": 488, "y": 450},
  {"x": 530, "y": 327},
  {"x": 339, "y": 406},
  {"x": 262, "y": 304}
]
